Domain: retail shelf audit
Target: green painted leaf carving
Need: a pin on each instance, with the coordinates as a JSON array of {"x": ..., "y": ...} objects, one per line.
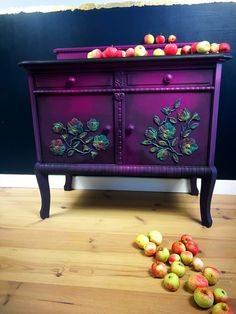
[
  {"x": 86, "y": 148},
  {"x": 194, "y": 125},
  {"x": 70, "y": 153},
  {"x": 172, "y": 120},
  {"x": 146, "y": 142},
  {"x": 151, "y": 133},
  {"x": 162, "y": 143},
  {"x": 89, "y": 139},
  {"x": 153, "y": 149},
  {"x": 174, "y": 141},
  {"x": 157, "y": 120},
  {"x": 162, "y": 154},
  {"x": 83, "y": 134},
  {"x": 177, "y": 103},
  {"x": 76, "y": 144},
  {"x": 186, "y": 133},
  {"x": 175, "y": 157},
  {"x": 196, "y": 116}
]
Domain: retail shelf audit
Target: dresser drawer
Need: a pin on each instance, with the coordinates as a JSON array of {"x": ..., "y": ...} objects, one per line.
[
  {"x": 73, "y": 80},
  {"x": 171, "y": 77}
]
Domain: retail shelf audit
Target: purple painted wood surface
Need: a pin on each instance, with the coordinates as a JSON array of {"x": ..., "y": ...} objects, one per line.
[{"x": 125, "y": 95}]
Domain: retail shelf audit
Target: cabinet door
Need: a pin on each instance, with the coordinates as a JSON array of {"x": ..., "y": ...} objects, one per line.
[
  {"x": 75, "y": 128},
  {"x": 168, "y": 128}
]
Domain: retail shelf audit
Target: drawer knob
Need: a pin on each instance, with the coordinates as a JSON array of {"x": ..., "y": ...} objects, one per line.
[
  {"x": 70, "y": 81},
  {"x": 167, "y": 78},
  {"x": 106, "y": 130},
  {"x": 130, "y": 128}
]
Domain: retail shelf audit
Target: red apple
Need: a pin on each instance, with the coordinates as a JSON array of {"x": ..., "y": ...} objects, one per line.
[
  {"x": 224, "y": 47},
  {"x": 150, "y": 249},
  {"x": 110, "y": 52},
  {"x": 173, "y": 257},
  {"x": 194, "y": 48},
  {"x": 158, "y": 269},
  {"x": 178, "y": 247},
  {"x": 192, "y": 247},
  {"x": 196, "y": 281},
  {"x": 172, "y": 39},
  {"x": 120, "y": 54},
  {"x": 149, "y": 39},
  {"x": 186, "y": 50},
  {"x": 160, "y": 39},
  {"x": 129, "y": 52},
  {"x": 185, "y": 238},
  {"x": 170, "y": 49},
  {"x": 203, "y": 297}
]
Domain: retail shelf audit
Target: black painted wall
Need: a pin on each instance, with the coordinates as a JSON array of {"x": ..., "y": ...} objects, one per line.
[{"x": 34, "y": 36}]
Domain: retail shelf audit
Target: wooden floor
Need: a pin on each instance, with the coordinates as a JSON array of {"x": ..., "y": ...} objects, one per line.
[{"x": 83, "y": 260}]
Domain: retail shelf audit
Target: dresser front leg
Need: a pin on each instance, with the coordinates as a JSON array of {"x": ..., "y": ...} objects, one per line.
[
  {"x": 207, "y": 188},
  {"x": 193, "y": 186},
  {"x": 43, "y": 184},
  {"x": 68, "y": 183}
]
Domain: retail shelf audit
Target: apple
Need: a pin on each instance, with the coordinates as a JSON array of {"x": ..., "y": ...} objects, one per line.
[
  {"x": 198, "y": 264},
  {"x": 203, "y": 46},
  {"x": 110, "y": 52},
  {"x": 150, "y": 249},
  {"x": 211, "y": 274},
  {"x": 192, "y": 247},
  {"x": 173, "y": 258},
  {"x": 149, "y": 39},
  {"x": 158, "y": 52},
  {"x": 155, "y": 237},
  {"x": 203, "y": 297},
  {"x": 178, "y": 247},
  {"x": 177, "y": 268},
  {"x": 120, "y": 54},
  {"x": 139, "y": 51},
  {"x": 158, "y": 269},
  {"x": 170, "y": 49},
  {"x": 162, "y": 254},
  {"x": 214, "y": 48},
  {"x": 196, "y": 281},
  {"x": 186, "y": 50},
  {"x": 171, "y": 282},
  {"x": 172, "y": 39},
  {"x": 186, "y": 257},
  {"x": 160, "y": 39},
  {"x": 194, "y": 48},
  {"x": 95, "y": 53},
  {"x": 185, "y": 238},
  {"x": 224, "y": 47},
  {"x": 222, "y": 308},
  {"x": 220, "y": 295},
  {"x": 141, "y": 240},
  {"x": 178, "y": 53},
  {"x": 129, "y": 52}
]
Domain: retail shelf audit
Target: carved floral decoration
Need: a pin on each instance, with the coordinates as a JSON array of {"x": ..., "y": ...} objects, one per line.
[
  {"x": 164, "y": 141},
  {"x": 77, "y": 138}
]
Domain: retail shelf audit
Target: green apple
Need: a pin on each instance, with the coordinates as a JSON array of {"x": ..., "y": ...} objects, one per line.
[
  {"x": 158, "y": 52},
  {"x": 211, "y": 274},
  {"x": 162, "y": 254},
  {"x": 203, "y": 297},
  {"x": 203, "y": 46},
  {"x": 140, "y": 51},
  {"x": 155, "y": 237},
  {"x": 222, "y": 308},
  {"x": 186, "y": 257},
  {"x": 220, "y": 295},
  {"x": 141, "y": 240},
  {"x": 178, "y": 268},
  {"x": 171, "y": 282}
]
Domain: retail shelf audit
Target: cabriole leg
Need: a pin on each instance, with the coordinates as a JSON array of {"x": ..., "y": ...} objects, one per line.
[
  {"x": 207, "y": 188},
  {"x": 193, "y": 186},
  {"x": 68, "y": 183},
  {"x": 43, "y": 184}
]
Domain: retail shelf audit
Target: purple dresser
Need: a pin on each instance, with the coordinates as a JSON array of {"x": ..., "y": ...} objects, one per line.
[{"x": 138, "y": 117}]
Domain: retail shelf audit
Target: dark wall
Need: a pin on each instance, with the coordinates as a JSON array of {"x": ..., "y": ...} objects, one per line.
[{"x": 34, "y": 36}]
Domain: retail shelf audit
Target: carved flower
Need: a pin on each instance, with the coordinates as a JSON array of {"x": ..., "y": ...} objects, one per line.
[
  {"x": 151, "y": 133},
  {"x": 93, "y": 125},
  {"x": 183, "y": 115},
  {"x": 188, "y": 146},
  {"x": 57, "y": 147},
  {"x": 75, "y": 127},
  {"x": 167, "y": 131},
  {"x": 57, "y": 127},
  {"x": 100, "y": 142}
]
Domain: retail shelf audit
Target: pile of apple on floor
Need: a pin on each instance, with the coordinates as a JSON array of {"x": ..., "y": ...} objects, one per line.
[{"x": 170, "y": 265}]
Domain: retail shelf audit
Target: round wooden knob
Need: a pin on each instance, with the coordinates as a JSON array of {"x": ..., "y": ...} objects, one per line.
[
  {"x": 70, "y": 81},
  {"x": 167, "y": 78}
]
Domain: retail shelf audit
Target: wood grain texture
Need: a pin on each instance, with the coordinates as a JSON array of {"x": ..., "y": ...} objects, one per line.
[{"x": 83, "y": 260}]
